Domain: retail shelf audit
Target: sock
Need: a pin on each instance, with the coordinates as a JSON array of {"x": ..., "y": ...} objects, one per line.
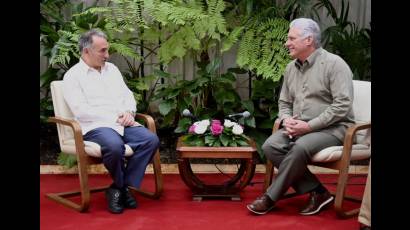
[{"x": 114, "y": 186}]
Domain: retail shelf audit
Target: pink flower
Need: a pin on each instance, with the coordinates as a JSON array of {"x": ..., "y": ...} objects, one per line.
[
  {"x": 216, "y": 127},
  {"x": 192, "y": 129},
  {"x": 218, "y": 122}
]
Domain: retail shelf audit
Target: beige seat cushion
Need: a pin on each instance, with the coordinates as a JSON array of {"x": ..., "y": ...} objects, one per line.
[
  {"x": 333, "y": 153},
  {"x": 91, "y": 148}
]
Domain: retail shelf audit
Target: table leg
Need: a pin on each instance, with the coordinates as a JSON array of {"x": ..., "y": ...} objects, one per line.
[{"x": 228, "y": 189}]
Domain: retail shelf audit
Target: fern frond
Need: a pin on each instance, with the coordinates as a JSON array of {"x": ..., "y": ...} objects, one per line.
[
  {"x": 200, "y": 27},
  {"x": 243, "y": 58},
  {"x": 124, "y": 50},
  {"x": 122, "y": 15},
  {"x": 190, "y": 39},
  {"x": 231, "y": 39},
  {"x": 166, "y": 13},
  {"x": 64, "y": 47},
  {"x": 262, "y": 48},
  {"x": 172, "y": 48},
  {"x": 215, "y": 6}
]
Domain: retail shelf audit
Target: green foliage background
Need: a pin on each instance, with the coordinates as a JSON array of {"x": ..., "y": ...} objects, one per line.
[{"x": 155, "y": 33}]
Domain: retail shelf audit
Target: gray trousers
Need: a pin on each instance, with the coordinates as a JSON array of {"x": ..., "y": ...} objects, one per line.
[{"x": 291, "y": 158}]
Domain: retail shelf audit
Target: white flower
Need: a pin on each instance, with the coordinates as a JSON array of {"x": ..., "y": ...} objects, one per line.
[
  {"x": 201, "y": 127},
  {"x": 237, "y": 129},
  {"x": 228, "y": 123},
  {"x": 205, "y": 122}
]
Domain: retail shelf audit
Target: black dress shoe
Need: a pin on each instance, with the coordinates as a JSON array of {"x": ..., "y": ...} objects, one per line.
[
  {"x": 316, "y": 202},
  {"x": 261, "y": 205},
  {"x": 128, "y": 198},
  {"x": 114, "y": 200}
]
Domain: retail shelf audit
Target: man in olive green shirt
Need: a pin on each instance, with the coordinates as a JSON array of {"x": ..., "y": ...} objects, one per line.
[{"x": 315, "y": 109}]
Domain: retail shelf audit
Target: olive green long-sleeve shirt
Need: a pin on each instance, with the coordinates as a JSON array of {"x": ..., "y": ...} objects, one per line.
[{"x": 320, "y": 92}]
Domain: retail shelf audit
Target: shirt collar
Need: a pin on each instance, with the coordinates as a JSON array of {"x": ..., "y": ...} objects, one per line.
[{"x": 310, "y": 60}]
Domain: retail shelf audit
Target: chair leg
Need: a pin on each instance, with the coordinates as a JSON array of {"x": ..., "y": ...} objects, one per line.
[
  {"x": 84, "y": 192},
  {"x": 340, "y": 196},
  {"x": 158, "y": 180},
  {"x": 83, "y": 207},
  {"x": 268, "y": 175}
]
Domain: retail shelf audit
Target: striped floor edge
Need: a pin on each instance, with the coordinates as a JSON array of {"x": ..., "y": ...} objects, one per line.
[{"x": 198, "y": 168}]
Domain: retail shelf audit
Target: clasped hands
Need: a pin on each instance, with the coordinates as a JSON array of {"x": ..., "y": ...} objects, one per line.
[
  {"x": 126, "y": 119},
  {"x": 295, "y": 127}
]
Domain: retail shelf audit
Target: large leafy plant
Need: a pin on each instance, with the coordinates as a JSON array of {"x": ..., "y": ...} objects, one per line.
[
  {"x": 261, "y": 49},
  {"x": 210, "y": 94},
  {"x": 347, "y": 40},
  {"x": 167, "y": 29},
  {"x": 264, "y": 27},
  {"x": 182, "y": 27}
]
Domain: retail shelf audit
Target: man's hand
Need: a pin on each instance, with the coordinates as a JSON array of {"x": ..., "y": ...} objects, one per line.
[
  {"x": 289, "y": 121},
  {"x": 295, "y": 127},
  {"x": 126, "y": 119}
]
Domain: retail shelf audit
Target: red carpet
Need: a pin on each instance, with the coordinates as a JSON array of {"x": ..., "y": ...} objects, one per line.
[{"x": 176, "y": 210}]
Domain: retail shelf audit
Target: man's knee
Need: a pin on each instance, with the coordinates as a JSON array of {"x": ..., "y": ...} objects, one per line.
[
  {"x": 154, "y": 141},
  {"x": 113, "y": 149},
  {"x": 298, "y": 152},
  {"x": 270, "y": 151},
  {"x": 266, "y": 148}
]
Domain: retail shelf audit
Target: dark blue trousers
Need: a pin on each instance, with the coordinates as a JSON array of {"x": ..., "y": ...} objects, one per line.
[{"x": 125, "y": 171}]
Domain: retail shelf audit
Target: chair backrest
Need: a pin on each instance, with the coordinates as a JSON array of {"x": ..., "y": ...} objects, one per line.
[
  {"x": 61, "y": 109},
  {"x": 362, "y": 108}
]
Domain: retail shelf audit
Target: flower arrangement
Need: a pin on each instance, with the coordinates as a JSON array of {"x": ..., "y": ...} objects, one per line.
[{"x": 214, "y": 134}]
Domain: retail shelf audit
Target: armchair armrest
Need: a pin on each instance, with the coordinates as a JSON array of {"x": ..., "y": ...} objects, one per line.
[
  {"x": 276, "y": 125},
  {"x": 68, "y": 122},
  {"x": 148, "y": 120},
  {"x": 349, "y": 139},
  {"x": 78, "y": 135}
]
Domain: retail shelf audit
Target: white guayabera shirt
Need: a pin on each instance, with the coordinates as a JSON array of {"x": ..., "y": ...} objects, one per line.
[{"x": 95, "y": 98}]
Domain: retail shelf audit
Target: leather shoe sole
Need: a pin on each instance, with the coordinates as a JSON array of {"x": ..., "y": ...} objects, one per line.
[
  {"x": 259, "y": 212},
  {"x": 328, "y": 201}
]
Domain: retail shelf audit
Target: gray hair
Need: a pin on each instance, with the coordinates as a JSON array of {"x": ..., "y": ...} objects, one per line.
[
  {"x": 308, "y": 27},
  {"x": 86, "y": 39}
]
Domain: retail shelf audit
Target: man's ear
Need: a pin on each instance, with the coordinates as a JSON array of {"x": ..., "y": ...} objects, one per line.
[
  {"x": 86, "y": 50},
  {"x": 309, "y": 40}
]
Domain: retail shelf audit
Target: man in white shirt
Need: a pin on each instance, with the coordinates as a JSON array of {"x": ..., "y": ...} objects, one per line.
[{"x": 104, "y": 106}]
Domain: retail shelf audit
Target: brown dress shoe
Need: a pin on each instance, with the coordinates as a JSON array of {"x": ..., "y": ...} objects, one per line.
[
  {"x": 261, "y": 205},
  {"x": 316, "y": 202}
]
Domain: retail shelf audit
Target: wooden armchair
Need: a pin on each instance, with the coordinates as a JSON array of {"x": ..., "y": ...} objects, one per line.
[
  {"x": 356, "y": 146},
  {"x": 71, "y": 142}
]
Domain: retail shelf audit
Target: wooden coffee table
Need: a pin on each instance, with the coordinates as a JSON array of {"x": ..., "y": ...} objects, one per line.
[{"x": 228, "y": 189}]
